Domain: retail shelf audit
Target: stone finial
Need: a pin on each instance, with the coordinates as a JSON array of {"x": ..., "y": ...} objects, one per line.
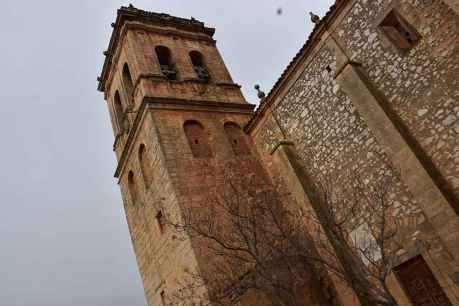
[
  {"x": 112, "y": 24},
  {"x": 314, "y": 18},
  {"x": 260, "y": 94},
  {"x": 99, "y": 79},
  {"x": 131, "y": 6}
]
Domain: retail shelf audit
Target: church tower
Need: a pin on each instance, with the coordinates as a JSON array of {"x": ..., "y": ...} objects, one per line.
[{"x": 176, "y": 115}]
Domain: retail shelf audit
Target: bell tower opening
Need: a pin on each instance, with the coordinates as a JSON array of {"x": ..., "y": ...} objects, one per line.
[
  {"x": 165, "y": 63},
  {"x": 199, "y": 67}
]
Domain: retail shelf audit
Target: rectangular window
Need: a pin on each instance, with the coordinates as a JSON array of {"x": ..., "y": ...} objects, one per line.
[{"x": 399, "y": 31}]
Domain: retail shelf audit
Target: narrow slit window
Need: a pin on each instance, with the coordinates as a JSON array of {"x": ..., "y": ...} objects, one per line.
[
  {"x": 145, "y": 165},
  {"x": 399, "y": 31},
  {"x": 165, "y": 62},
  {"x": 132, "y": 187},
  {"x": 199, "y": 67},
  {"x": 160, "y": 221},
  {"x": 119, "y": 112}
]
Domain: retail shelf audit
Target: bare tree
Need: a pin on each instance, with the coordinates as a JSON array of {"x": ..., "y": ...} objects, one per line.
[
  {"x": 256, "y": 246},
  {"x": 263, "y": 247},
  {"x": 358, "y": 229},
  {"x": 358, "y": 238}
]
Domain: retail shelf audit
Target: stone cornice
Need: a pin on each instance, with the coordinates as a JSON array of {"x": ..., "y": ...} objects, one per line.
[
  {"x": 170, "y": 32},
  {"x": 198, "y": 105},
  {"x": 162, "y": 78},
  {"x": 179, "y": 105}
]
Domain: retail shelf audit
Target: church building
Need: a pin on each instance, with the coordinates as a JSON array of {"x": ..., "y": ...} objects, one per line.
[{"x": 371, "y": 101}]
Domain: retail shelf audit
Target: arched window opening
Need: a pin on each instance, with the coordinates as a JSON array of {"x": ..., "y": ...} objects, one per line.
[
  {"x": 197, "y": 139},
  {"x": 132, "y": 187},
  {"x": 165, "y": 62},
  {"x": 128, "y": 84},
  {"x": 199, "y": 66},
  {"x": 145, "y": 165},
  {"x": 119, "y": 112},
  {"x": 237, "y": 138}
]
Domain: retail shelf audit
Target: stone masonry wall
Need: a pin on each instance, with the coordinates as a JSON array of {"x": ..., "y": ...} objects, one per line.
[
  {"x": 199, "y": 181},
  {"x": 329, "y": 134},
  {"x": 161, "y": 257},
  {"x": 187, "y": 86},
  {"x": 325, "y": 127},
  {"x": 137, "y": 49},
  {"x": 177, "y": 180},
  {"x": 420, "y": 86}
]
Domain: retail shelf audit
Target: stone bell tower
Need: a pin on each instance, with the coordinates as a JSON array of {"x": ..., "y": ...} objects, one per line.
[{"x": 174, "y": 110}]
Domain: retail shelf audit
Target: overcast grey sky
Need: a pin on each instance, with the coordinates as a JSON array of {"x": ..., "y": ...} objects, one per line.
[{"x": 63, "y": 235}]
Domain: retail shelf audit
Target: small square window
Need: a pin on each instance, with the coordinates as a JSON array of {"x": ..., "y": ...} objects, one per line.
[{"x": 399, "y": 31}]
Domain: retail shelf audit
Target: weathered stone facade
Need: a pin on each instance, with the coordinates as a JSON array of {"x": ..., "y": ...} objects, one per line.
[
  {"x": 351, "y": 96},
  {"x": 350, "y": 101}
]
